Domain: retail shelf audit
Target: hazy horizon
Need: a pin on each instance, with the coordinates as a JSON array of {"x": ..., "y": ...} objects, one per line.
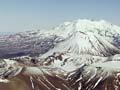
[{"x": 23, "y": 15}]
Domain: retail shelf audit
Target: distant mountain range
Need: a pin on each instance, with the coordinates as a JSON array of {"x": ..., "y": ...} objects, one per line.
[{"x": 6, "y": 33}]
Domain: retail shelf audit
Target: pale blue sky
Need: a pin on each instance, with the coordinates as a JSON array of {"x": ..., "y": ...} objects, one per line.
[{"x": 21, "y": 15}]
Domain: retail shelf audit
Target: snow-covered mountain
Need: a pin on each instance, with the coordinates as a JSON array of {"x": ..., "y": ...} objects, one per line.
[
  {"x": 40, "y": 41},
  {"x": 82, "y": 55}
]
